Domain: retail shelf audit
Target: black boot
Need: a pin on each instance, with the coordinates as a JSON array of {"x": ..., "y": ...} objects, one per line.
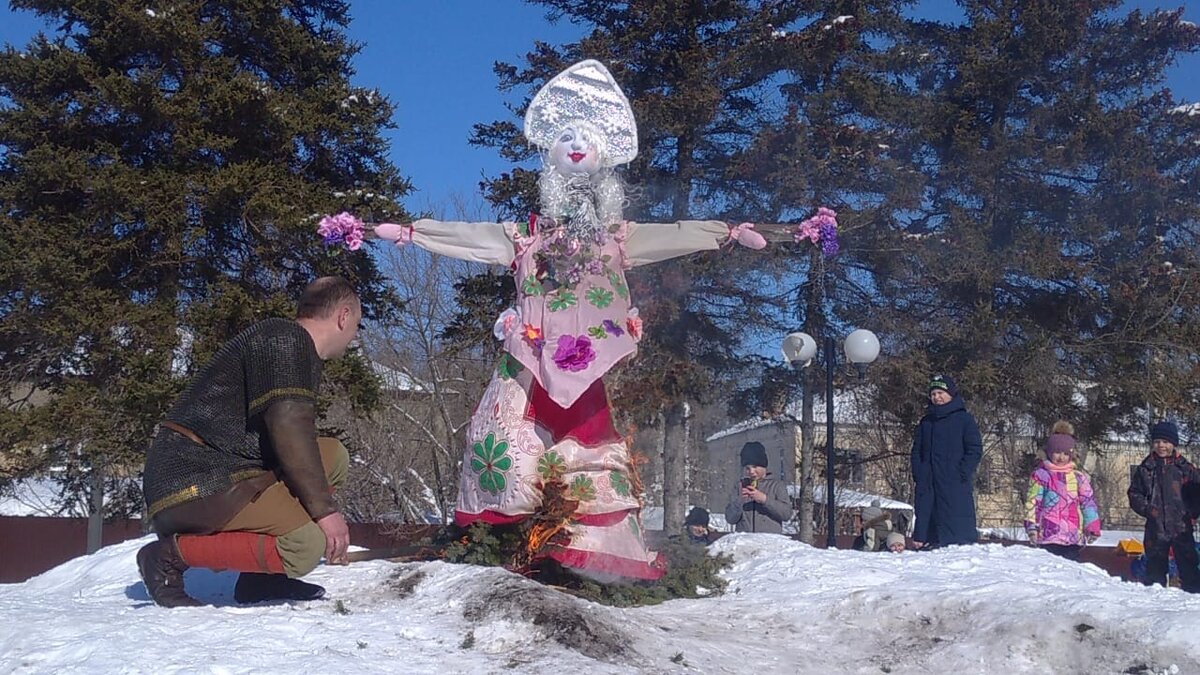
[
  {"x": 255, "y": 587},
  {"x": 162, "y": 570}
]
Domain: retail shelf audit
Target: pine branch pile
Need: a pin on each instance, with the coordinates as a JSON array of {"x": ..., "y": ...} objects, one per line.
[{"x": 691, "y": 571}]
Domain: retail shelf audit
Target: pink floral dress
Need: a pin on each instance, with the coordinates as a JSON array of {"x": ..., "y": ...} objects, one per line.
[
  {"x": 574, "y": 319},
  {"x": 545, "y": 414}
]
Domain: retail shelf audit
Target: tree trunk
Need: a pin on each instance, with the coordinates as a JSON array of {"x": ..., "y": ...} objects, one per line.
[
  {"x": 443, "y": 506},
  {"x": 815, "y": 325},
  {"x": 674, "y": 472},
  {"x": 806, "y": 458},
  {"x": 689, "y": 458},
  {"x": 95, "y": 529}
]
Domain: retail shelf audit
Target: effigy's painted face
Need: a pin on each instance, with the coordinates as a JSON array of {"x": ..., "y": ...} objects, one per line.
[{"x": 577, "y": 150}]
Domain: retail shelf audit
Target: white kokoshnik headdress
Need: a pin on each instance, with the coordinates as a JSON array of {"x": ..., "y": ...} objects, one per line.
[{"x": 586, "y": 92}]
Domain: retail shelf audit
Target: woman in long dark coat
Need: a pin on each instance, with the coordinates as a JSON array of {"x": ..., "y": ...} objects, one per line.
[{"x": 945, "y": 454}]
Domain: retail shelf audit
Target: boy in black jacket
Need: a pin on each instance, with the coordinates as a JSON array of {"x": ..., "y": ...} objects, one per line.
[{"x": 1156, "y": 494}]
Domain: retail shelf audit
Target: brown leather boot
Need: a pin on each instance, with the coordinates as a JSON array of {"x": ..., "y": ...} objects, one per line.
[{"x": 162, "y": 570}]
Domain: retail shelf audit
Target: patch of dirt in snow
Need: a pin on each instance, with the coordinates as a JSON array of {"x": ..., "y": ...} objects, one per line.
[
  {"x": 405, "y": 580},
  {"x": 576, "y": 624},
  {"x": 921, "y": 635}
]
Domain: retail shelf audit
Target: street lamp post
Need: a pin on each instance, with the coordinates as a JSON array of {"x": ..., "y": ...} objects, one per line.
[{"x": 862, "y": 348}]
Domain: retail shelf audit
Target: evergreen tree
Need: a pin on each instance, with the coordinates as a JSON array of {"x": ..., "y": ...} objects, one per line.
[
  {"x": 841, "y": 105},
  {"x": 1052, "y": 259},
  {"x": 160, "y": 175},
  {"x": 1016, "y": 195}
]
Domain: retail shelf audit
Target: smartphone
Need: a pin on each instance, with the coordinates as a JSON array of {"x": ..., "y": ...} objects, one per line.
[{"x": 747, "y": 481}]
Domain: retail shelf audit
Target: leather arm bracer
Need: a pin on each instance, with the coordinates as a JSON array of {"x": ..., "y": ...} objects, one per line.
[{"x": 292, "y": 429}]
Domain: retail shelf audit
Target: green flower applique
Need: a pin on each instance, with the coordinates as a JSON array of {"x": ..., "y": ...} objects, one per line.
[
  {"x": 551, "y": 466},
  {"x": 508, "y": 368},
  {"x": 491, "y": 461},
  {"x": 619, "y": 285},
  {"x": 531, "y": 285},
  {"x": 620, "y": 483},
  {"x": 583, "y": 489},
  {"x": 600, "y": 297},
  {"x": 562, "y": 300}
]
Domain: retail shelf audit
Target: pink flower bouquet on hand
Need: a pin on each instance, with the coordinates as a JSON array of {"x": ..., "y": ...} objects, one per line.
[
  {"x": 821, "y": 230},
  {"x": 343, "y": 228}
]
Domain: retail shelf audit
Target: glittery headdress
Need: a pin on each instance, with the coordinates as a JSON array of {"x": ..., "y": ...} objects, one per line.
[{"x": 585, "y": 92}]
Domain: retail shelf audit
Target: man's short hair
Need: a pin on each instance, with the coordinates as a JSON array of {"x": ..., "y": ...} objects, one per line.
[{"x": 323, "y": 296}]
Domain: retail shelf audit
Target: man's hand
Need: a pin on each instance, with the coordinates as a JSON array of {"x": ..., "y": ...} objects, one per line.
[
  {"x": 754, "y": 494},
  {"x": 337, "y": 538}
]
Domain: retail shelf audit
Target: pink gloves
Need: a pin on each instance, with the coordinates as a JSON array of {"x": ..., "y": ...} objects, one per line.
[
  {"x": 745, "y": 235},
  {"x": 401, "y": 234}
]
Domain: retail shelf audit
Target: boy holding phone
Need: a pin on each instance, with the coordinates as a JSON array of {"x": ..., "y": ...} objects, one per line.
[{"x": 760, "y": 502}]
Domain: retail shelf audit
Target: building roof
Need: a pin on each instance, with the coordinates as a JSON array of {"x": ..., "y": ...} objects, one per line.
[
  {"x": 849, "y": 407},
  {"x": 397, "y": 380},
  {"x": 851, "y": 499}
]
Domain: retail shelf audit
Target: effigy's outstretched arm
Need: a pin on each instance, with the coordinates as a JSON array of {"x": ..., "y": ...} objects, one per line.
[
  {"x": 776, "y": 233},
  {"x": 482, "y": 242},
  {"x": 651, "y": 242}
]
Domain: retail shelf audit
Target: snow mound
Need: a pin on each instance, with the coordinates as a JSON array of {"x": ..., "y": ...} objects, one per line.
[{"x": 789, "y": 608}]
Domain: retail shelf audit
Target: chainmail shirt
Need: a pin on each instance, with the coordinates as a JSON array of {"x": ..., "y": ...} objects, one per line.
[{"x": 272, "y": 360}]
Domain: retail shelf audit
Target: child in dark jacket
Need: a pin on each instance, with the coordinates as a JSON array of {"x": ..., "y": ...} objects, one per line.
[
  {"x": 695, "y": 526},
  {"x": 1156, "y": 494}
]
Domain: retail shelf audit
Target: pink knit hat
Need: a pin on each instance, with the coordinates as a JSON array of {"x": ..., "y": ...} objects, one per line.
[
  {"x": 1062, "y": 439},
  {"x": 1060, "y": 443}
]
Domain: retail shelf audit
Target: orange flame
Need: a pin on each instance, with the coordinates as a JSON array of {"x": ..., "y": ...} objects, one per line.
[
  {"x": 540, "y": 534},
  {"x": 548, "y": 522}
]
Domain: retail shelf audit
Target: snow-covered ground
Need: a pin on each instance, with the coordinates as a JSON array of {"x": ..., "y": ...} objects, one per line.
[{"x": 789, "y": 608}]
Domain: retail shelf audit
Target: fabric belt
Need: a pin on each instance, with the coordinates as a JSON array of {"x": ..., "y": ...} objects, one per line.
[{"x": 183, "y": 431}]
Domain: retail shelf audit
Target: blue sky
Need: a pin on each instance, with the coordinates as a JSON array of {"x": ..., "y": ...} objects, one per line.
[{"x": 434, "y": 60}]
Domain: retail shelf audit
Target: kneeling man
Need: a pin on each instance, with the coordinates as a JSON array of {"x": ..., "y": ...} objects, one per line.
[{"x": 236, "y": 478}]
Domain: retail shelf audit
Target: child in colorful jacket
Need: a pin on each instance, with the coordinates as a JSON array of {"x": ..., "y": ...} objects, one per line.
[{"x": 1060, "y": 509}]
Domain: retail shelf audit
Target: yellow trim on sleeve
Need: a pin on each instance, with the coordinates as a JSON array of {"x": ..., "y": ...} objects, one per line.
[{"x": 283, "y": 391}]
